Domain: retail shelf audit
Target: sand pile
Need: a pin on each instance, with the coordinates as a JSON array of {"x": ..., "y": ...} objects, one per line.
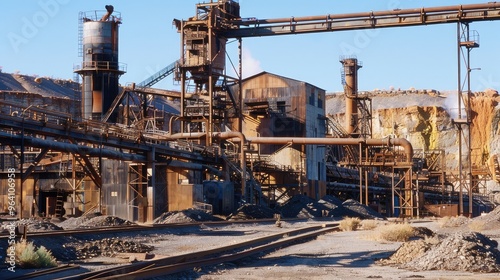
[
  {"x": 185, "y": 216},
  {"x": 251, "y": 212},
  {"x": 462, "y": 251}
]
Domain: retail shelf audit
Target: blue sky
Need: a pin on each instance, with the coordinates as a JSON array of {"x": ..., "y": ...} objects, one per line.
[{"x": 40, "y": 37}]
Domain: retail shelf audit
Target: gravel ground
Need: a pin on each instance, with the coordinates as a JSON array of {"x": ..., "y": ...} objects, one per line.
[
  {"x": 342, "y": 255},
  {"x": 448, "y": 248}
]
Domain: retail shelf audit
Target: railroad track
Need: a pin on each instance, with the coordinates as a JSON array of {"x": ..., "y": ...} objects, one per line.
[
  {"x": 129, "y": 228},
  {"x": 44, "y": 272},
  {"x": 229, "y": 253}
]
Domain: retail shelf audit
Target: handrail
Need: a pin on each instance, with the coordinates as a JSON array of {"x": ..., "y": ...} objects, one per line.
[{"x": 100, "y": 65}]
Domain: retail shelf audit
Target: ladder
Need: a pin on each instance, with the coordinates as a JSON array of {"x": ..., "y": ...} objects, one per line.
[{"x": 59, "y": 204}]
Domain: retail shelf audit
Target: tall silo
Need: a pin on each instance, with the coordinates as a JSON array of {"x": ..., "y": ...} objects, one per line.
[{"x": 100, "y": 69}]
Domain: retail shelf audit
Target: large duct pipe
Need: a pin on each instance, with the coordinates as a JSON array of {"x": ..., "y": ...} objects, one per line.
[
  {"x": 238, "y": 137},
  {"x": 72, "y": 148},
  {"x": 405, "y": 144},
  {"x": 243, "y": 165}
]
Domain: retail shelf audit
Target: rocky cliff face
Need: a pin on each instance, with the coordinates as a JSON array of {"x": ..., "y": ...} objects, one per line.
[{"x": 425, "y": 118}]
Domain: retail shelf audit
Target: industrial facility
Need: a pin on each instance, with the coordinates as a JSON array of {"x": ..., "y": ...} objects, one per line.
[{"x": 220, "y": 142}]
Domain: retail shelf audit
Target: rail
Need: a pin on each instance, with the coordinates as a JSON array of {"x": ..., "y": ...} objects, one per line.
[
  {"x": 100, "y": 65},
  {"x": 179, "y": 263}
]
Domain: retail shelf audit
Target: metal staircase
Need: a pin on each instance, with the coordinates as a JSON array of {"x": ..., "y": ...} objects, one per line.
[
  {"x": 253, "y": 188},
  {"x": 337, "y": 131},
  {"x": 160, "y": 75}
]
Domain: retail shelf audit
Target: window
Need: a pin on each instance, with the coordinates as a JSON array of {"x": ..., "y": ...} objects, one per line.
[{"x": 311, "y": 99}]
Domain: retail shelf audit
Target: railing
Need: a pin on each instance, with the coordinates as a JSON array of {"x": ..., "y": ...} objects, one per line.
[{"x": 101, "y": 65}]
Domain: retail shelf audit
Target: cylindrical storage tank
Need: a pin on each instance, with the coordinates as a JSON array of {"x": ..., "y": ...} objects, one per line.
[
  {"x": 100, "y": 43},
  {"x": 100, "y": 69}
]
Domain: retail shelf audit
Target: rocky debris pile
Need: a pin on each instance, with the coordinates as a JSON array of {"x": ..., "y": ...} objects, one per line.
[
  {"x": 251, "y": 212},
  {"x": 408, "y": 252},
  {"x": 74, "y": 222},
  {"x": 363, "y": 211},
  {"x": 462, "y": 251},
  {"x": 32, "y": 225},
  {"x": 41, "y": 226},
  {"x": 422, "y": 232},
  {"x": 490, "y": 221},
  {"x": 94, "y": 220},
  {"x": 455, "y": 222},
  {"x": 110, "y": 247},
  {"x": 185, "y": 216},
  {"x": 105, "y": 221},
  {"x": 300, "y": 206}
]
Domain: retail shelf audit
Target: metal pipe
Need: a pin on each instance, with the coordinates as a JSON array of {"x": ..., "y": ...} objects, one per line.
[
  {"x": 72, "y": 148},
  {"x": 242, "y": 139},
  {"x": 109, "y": 11},
  {"x": 405, "y": 144}
]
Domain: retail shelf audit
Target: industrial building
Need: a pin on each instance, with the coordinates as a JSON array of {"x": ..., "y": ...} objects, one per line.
[{"x": 256, "y": 140}]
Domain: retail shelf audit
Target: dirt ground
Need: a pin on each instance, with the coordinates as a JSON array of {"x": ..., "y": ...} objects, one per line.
[
  {"x": 458, "y": 249},
  {"x": 339, "y": 255},
  {"x": 344, "y": 255}
]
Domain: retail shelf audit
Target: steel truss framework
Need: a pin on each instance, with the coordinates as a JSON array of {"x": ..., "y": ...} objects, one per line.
[{"x": 86, "y": 139}]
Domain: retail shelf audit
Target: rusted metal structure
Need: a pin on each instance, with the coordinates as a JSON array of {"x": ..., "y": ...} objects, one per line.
[
  {"x": 215, "y": 120},
  {"x": 358, "y": 116},
  {"x": 100, "y": 68}
]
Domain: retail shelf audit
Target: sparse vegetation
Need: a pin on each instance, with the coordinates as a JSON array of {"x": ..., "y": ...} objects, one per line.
[
  {"x": 369, "y": 224},
  {"x": 27, "y": 256},
  {"x": 394, "y": 232},
  {"x": 350, "y": 224}
]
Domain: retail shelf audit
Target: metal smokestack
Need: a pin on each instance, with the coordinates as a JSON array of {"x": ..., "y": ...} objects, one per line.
[{"x": 350, "y": 82}]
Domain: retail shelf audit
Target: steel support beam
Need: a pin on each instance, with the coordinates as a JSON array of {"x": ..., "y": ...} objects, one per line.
[{"x": 380, "y": 19}]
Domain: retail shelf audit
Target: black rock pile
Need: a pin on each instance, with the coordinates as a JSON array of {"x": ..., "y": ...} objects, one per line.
[
  {"x": 94, "y": 220},
  {"x": 251, "y": 212},
  {"x": 301, "y": 206},
  {"x": 109, "y": 247},
  {"x": 33, "y": 225}
]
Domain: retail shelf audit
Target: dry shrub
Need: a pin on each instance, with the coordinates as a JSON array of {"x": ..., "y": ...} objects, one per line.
[
  {"x": 369, "y": 224},
  {"x": 395, "y": 232},
  {"x": 27, "y": 256},
  {"x": 450, "y": 222},
  {"x": 477, "y": 225},
  {"x": 349, "y": 224}
]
